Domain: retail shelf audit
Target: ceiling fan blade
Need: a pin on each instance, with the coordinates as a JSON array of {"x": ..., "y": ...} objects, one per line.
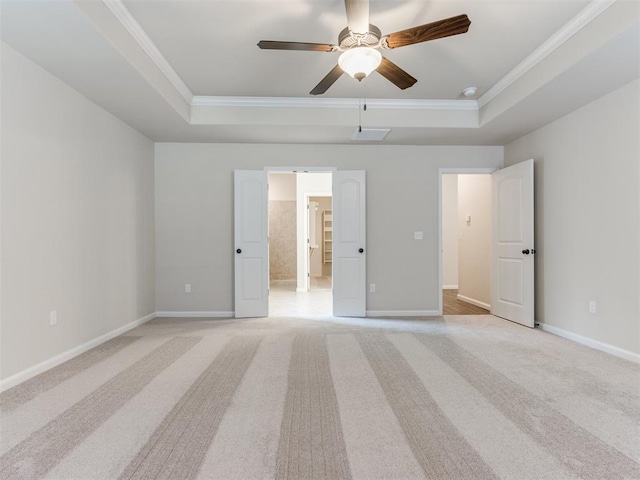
[
  {"x": 395, "y": 74},
  {"x": 314, "y": 47},
  {"x": 430, "y": 31},
  {"x": 357, "y": 15},
  {"x": 327, "y": 81}
]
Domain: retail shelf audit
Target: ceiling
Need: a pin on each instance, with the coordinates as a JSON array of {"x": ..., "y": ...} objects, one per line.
[{"x": 190, "y": 70}]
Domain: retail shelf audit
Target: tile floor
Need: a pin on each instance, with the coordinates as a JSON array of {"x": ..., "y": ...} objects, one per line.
[{"x": 284, "y": 301}]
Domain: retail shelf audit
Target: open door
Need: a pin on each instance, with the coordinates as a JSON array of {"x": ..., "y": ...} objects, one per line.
[
  {"x": 349, "y": 244},
  {"x": 512, "y": 272},
  {"x": 251, "y": 244}
]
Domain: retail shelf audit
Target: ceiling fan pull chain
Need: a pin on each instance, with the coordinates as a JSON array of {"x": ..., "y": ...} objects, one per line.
[
  {"x": 362, "y": 105},
  {"x": 364, "y": 90}
]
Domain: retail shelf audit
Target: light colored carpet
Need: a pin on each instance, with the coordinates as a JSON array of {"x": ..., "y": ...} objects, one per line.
[{"x": 327, "y": 398}]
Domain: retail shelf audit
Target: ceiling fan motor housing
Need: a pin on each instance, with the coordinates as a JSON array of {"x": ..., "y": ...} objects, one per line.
[{"x": 347, "y": 39}]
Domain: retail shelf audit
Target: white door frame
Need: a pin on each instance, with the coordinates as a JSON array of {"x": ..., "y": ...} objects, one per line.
[
  {"x": 458, "y": 171},
  {"x": 301, "y": 169},
  {"x": 302, "y": 249}
]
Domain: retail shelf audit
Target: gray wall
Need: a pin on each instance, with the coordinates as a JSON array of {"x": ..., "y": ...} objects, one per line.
[
  {"x": 194, "y": 200},
  {"x": 587, "y": 218},
  {"x": 77, "y": 218}
]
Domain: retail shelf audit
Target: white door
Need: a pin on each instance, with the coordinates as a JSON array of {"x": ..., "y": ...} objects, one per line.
[
  {"x": 512, "y": 272},
  {"x": 251, "y": 245},
  {"x": 349, "y": 244}
]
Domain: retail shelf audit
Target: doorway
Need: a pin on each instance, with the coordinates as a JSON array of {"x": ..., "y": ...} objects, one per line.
[
  {"x": 300, "y": 270},
  {"x": 320, "y": 243},
  {"x": 251, "y": 238},
  {"x": 465, "y": 201}
]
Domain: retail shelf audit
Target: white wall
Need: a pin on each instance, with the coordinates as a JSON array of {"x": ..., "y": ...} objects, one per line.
[
  {"x": 77, "y": 219},
  {"x": 450, "y": 230},
  {"x": 587, "y": 219},
  {"x": 474, "y": 247},
  {"x": 194, "y": 216}
]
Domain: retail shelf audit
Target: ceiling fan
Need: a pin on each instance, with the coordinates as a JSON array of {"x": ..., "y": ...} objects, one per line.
[{"x": 360, "y": 42}]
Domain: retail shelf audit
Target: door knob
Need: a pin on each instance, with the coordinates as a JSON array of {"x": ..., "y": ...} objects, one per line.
[
  {"x": 239, "y": 250},
  {"x": 525, "y": 251},
  {"x": 361, "y": 250}
]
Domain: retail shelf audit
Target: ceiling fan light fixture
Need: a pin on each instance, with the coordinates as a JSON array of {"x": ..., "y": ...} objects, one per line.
[{"x": 359, "y": 62}]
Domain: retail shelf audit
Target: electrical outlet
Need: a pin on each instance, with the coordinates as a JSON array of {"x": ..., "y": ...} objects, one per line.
[
  {"x": 592, "y": 306},
  {"x": 53, "y": 318},
  {"x": 372, "y": 288},
  {"x": 187, "y": 288}
]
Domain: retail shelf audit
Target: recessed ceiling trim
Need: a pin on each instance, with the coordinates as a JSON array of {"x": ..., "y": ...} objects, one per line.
[
  {"x": 140, "y": 36},
  {"x": 287, "y": 102},
  {"x": 586, "y": 16}
]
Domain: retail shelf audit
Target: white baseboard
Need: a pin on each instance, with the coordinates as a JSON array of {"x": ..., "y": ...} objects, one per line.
[
  {"x": 301, "y": 290},
  {"x": 450, "y": 287},
  {"x": 195, "y": 314},
  {"x": 473, "y": 301},
  {"x": 41, "y": 367},
  {"x": 618, "y": 352},
  {"x": 403, "y": 313}
]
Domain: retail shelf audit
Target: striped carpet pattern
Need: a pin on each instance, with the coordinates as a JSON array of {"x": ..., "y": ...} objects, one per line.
[
  {"x": 454, "y": 397},
  {"x": 311, "y": 443}
]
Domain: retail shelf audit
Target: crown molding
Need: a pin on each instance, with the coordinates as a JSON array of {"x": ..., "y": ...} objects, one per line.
[
  {"x": 303, "y": 102},
  {"x": 582, "y": 19},
  {"x": 140, "y": 36}
]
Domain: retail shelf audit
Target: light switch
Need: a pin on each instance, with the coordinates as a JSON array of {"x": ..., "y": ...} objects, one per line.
[{"x": 418, "y": 235}]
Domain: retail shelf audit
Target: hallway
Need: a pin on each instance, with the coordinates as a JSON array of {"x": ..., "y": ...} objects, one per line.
[{"x": 452, "y": 306}]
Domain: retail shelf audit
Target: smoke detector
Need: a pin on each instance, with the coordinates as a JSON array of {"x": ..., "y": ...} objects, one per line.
[{"x": 469, "y": 91}]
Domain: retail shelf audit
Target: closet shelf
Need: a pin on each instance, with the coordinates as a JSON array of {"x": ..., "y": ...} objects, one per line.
[{"x": 327, "y": 236}]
